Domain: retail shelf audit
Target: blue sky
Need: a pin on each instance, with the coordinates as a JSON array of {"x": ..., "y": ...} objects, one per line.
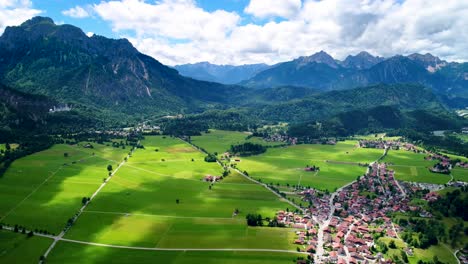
[
  {"x": 262, "y": 31},
  {"x": 54, "y": 8}
]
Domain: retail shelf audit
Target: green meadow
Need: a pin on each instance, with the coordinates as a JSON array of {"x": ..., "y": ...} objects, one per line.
[
  {"x": 220, "y": 141},
  {"x": 285, "y": 166},
  {"x": 41, "y": 191},
  {"x": 78, "y": 253},
  {"x": 18, "y": 248},
  {"x": 139, "y": 207},
  {"x": 410, "y": 166},
  {"x": 460, "y": 174}
]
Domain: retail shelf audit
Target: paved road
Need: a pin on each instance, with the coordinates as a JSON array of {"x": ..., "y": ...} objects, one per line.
[
  {"x": 57, "y": 238},
  {"x": 60, "y": 236},
  {"x": 252, "y": 180},
  {"x": 183, "y": 249}
]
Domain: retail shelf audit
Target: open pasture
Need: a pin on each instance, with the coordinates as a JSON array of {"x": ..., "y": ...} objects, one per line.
[
  {"x": 43, "y": 190},
  {"x": 220, "y": 141},
  {"x": 139, "y": 205},
  {"x": 410, "y": 166},
  {"x": 338, "y": 164},
  {"x": 460, "y": 174},
  {"x": 18, "y": 248},
  {"x": 78, "y": 253}
]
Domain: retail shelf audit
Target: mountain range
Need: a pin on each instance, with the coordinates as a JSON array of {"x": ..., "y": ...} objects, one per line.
[
  {"x": 226, "y": 74},
  {"x": 449, "y": 80},
  {"x": 61, "y": 62},
  {"x": 107, "y": 82}
]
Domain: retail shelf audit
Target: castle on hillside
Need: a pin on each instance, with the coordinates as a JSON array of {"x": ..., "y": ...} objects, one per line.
[{"x": 62, "y": 108}]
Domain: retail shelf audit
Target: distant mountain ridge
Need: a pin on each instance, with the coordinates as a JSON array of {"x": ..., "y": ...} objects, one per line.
[
  {"x": 320, "y": 71},
  {"x": 226, "y": 74}
]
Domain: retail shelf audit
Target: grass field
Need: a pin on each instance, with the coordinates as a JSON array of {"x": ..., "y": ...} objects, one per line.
[
  {"x": 338, "y": 164},
  {"x": 76, "y": 253},
  {"x": 18, "y": 248},
  {"x": 441, "y": 251},
  {"x": 410, "y": 166},
  {"x": 220, "y": 141},
  {"x": 39, "y": 191},
  {"x": 138, "y": 207}
]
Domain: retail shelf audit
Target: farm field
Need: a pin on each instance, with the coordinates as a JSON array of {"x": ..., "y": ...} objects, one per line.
[
  {"x": 338, "y": 164},
  {"x": 220, "y": 141},
  {"x": 78, "y": 253},
  {"x": 138, "y": 206},
  {"x": 18, "y": 248},
  {"x": 51, "y": 186},
  {"x": 460, "y": 174},
  {"x": 410, "y": 166}
]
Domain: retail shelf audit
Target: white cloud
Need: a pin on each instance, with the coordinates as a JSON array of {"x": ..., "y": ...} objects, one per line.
[
  {"x": 76, "y": 12},
  {"x": 178, "y": 19},
  {"x": 90, "y": 34},
  {"x": 273, "y": 8},
  {"x": 15, "y": 12},
  {"x": 179, "y": 31}
]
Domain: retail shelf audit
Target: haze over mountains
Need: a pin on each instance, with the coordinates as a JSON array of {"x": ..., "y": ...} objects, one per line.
[{"x": 226, "y": 74}]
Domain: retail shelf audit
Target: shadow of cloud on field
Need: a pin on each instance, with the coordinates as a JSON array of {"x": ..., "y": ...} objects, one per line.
[{"x": 56, "y": 191}]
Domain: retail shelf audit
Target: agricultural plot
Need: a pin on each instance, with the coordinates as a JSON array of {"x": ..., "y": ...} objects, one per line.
[
  {"x": 43, "y": 190},
  {"x": 158, "y": 199},
  {"x": 220, "y": 141},
  {"x": 410, "y": 166},
  {"x": 77, "y": 253},
  {"x": 18, "y": 248},
  {"x": 339, "y": 164},
  {"x": 460, "y": 174}
]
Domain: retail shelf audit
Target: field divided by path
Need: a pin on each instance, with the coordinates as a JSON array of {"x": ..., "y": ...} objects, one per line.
[
  {"x": 78, "y": 253},
  {"x": 43, "y": 190},
  {"x": 142, "y": 208},
  {"x": 18, "y": 248}
]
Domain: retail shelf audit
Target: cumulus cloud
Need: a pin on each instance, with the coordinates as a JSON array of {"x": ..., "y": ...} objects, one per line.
[
  {"x": 273, "y": 8},
  {"x": 76, "y": 12},
  {"x": 14, "y": 12},
  {"x": 179, "y": 31},
  {"x": 177, "y": 19}
]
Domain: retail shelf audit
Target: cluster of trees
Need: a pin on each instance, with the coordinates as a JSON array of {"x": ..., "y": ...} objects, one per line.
[
  {"x": 254, "y": 220},
  {"x": 449, "y": 143},
  {"x": 429, "y": 232},
  {"x": 210, "y": 157},
  {"x": 453, "y": 204},
  {"x": 247, "y": 149}
]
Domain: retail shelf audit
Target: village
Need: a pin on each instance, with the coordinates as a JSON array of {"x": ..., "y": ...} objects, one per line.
[{"x": 345, "y": 226}]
